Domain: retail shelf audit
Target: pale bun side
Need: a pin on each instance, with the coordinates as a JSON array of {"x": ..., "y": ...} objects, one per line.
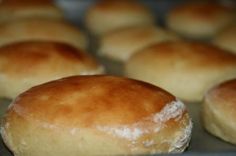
[
  {"x": 96, "y": 115},
  {"x": 15, "y": 9},
  {"x": 42, "y": 29},
  {"x": 227, "y": 39},
  {"x": 122, "y": 43},
  {"x": 199, "y": 20},
  {"x": 105, "y": 16},
  {"x": 25, "y": 64},
  {"x": 219, "y": 111},
  {"x": 185, "y": 69}
]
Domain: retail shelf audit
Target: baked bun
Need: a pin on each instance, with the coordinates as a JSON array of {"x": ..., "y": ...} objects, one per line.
[
  {"x": 23, "y": 65},
  {"x": 219, "y": 111},
  {"x": 42, "y": 29},
  {"x": 227, "y": 39},
  {"x": 17, "y": 9},
  {"x": 96, "y": 115},
  {"x": 201, "y": 20},
  {"x": 121, "y": 44},
  {"x": 185, "y": 69},
  {"x": 105, "y": 16}
]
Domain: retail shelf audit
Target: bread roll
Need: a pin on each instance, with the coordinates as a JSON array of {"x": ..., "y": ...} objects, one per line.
[
  {"x": 219, "y": 111},
  {"x": 25, "y": 64},
  {"x": 121, "y": 44},
  {"x": 42, "y": 29},
  {"x": 227, "y": 39},
  {"x": 18, "y": 9},
  {"x": 185, "y": 69},
  {"x": 105, "y": 16},
  {"x": 199, "y": 20},
  {"x": 96, "y": 115}
]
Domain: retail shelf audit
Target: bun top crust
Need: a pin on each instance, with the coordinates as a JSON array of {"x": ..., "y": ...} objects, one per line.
[
  {"x": 187, "y": 55},
  {"x": 90, "y": 101},
  {"x": 222, "y": 98},
  {"x": 23, "y": 59}
]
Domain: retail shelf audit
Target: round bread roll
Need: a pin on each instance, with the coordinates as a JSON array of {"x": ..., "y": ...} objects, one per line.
[
  {"x": 41, "y": 29},
  {"x": 219, "y": 111},
  {"x": 201, "y": 20},
  {"x": 121, "y": 44},
  {"x": 15, "y": 9},
  {"x": 105, "y": 16},
  {"x": 185, "y": 69},
  {"x": 25, "y": 64},
  {"x": 227, "y": 39},
  {"x": 96, "y": 115}
]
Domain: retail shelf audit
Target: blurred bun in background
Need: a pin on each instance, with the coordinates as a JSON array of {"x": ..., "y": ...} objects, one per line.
[
  {"x": 108, "y": 15},
  {"x": 122, "y": 43},
  {"x": 200, "y": 20},
  {"x": 25, "y": 64},
  {"x": 18, "y": 9},
  {"x": 185, "y": 69},
  {"x": 42, "y": 29}
]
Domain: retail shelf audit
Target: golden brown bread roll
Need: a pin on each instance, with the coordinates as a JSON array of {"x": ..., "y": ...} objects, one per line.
[
  {"x": 122, "y": 43},
  {"x": 105, "y": 16},
  {"x": 18, "y": 9},
  {"x": 227, "y": 39},
  {"x": 185, "y": 69},
  {"x": 219, "y": 111},
  {"x": 96, "y": 115},
  {"x": 199, "y": 20},
  {"x": 42, "y": 29},
  {"x": 23, "y": 65}
]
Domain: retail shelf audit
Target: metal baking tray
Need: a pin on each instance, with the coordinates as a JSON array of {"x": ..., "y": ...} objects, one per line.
[{"x": 202, "y": 143}]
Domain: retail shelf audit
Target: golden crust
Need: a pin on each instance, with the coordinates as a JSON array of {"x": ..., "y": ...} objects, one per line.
[
  {"x": 219, "y": 111},
  {"x": 121, "y": 13},
  {"x": 201, "y": 20},
  {"x": 173, "y": 64},
  {"x": 25, "y": 64},
  {"x": 41, "y": 29},
  {"x": 131, "y": 117},
  {"x": 227, "y": 39},
  {"x": 122, "y": 43},
  {"x": 13, "y": 9}
]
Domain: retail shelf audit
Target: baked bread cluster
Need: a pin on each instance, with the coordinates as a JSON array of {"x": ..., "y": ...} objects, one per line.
[{"x": 62, "y": 105}]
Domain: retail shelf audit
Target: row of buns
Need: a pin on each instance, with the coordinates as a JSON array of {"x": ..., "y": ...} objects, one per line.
[
  {"x": 79, "y": 115},
  {"x": 109, "y": 115}
]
